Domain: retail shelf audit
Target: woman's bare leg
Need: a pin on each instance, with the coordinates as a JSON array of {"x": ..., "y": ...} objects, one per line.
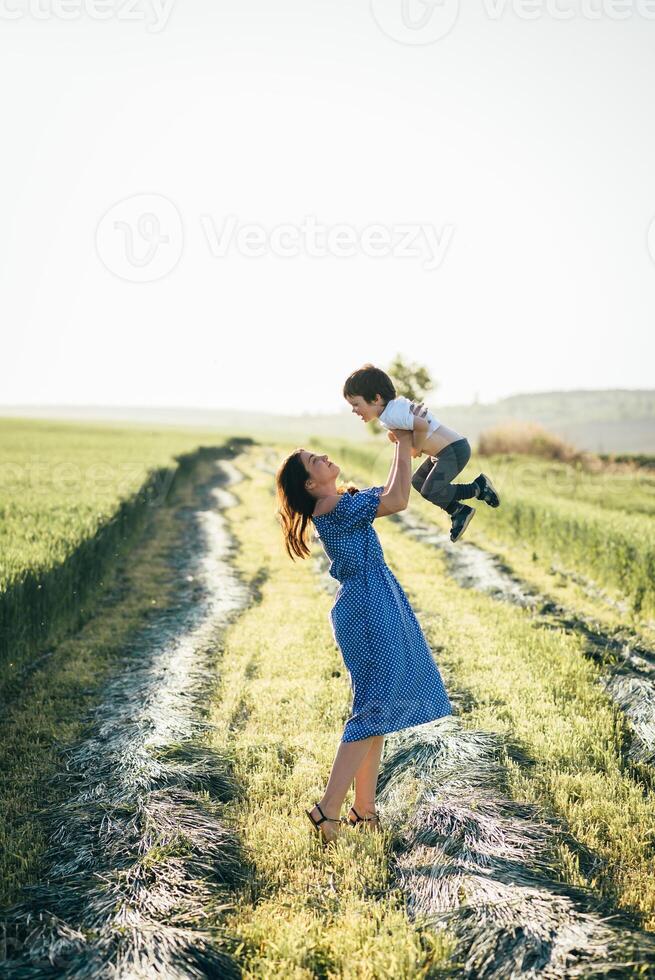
[
  {"x": 347, "y": 762},
  {"x": 366, "y": 778}
]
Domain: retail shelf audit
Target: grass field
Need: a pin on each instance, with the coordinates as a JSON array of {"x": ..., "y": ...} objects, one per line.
[
  {"x": 71, "y": 497},
  {"x": 550, "y": 814}
]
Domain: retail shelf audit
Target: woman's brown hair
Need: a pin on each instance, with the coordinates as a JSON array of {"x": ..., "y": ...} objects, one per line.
[{"x": 296, "y": 504}]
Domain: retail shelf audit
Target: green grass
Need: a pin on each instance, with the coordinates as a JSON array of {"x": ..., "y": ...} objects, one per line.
[
  {"x": 61, "y": 482},
  {"x": 71, "y": 496}
]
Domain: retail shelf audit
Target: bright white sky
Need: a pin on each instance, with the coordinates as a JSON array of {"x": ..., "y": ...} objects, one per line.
[{"x": 525, "y": 147}]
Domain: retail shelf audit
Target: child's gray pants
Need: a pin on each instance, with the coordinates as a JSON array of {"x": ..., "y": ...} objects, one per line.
[{"x": 433, "y": 479}]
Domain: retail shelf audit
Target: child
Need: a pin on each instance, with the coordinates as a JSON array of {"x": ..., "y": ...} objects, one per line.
[{"x": 372, "y": 395}]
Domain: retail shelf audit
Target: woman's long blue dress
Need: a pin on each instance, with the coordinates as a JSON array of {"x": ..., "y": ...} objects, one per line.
[{"x": 395, "y": 681}]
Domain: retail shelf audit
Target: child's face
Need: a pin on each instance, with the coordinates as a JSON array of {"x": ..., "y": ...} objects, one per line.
[{"x": 366, "y": 410}]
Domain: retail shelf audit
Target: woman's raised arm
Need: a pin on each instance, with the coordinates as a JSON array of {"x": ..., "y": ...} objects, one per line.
[{"x": 397, "y": 487}]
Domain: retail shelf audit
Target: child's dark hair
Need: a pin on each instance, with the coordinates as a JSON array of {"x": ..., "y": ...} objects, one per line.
[{"x": 368, "y": 382}]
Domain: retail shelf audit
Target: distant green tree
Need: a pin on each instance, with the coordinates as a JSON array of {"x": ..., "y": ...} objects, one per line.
[{"x": 413, "y": 381}]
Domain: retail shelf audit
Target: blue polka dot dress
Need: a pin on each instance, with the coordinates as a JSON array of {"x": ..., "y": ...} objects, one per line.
[{"x": 395, "y": 681}]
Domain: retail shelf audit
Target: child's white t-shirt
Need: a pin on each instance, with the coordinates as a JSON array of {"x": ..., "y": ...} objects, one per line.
[{"x": 397, "y": 415}]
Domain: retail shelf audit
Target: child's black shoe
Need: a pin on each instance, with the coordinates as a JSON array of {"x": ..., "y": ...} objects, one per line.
[
  {"x": 460, "y": 521},
  {"x": 486, "y": 490}
]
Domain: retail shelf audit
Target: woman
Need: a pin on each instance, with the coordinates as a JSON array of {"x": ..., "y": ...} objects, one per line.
[{"x": 395, "y": 681}]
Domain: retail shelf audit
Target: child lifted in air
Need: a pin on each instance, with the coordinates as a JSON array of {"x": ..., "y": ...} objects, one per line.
[{"x": 372, "y": 395}]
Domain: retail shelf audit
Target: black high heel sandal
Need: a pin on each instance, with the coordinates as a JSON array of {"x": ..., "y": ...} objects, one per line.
[
  {"x": 373, "y": 817},
  {"x": 315, "y": 823}
]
